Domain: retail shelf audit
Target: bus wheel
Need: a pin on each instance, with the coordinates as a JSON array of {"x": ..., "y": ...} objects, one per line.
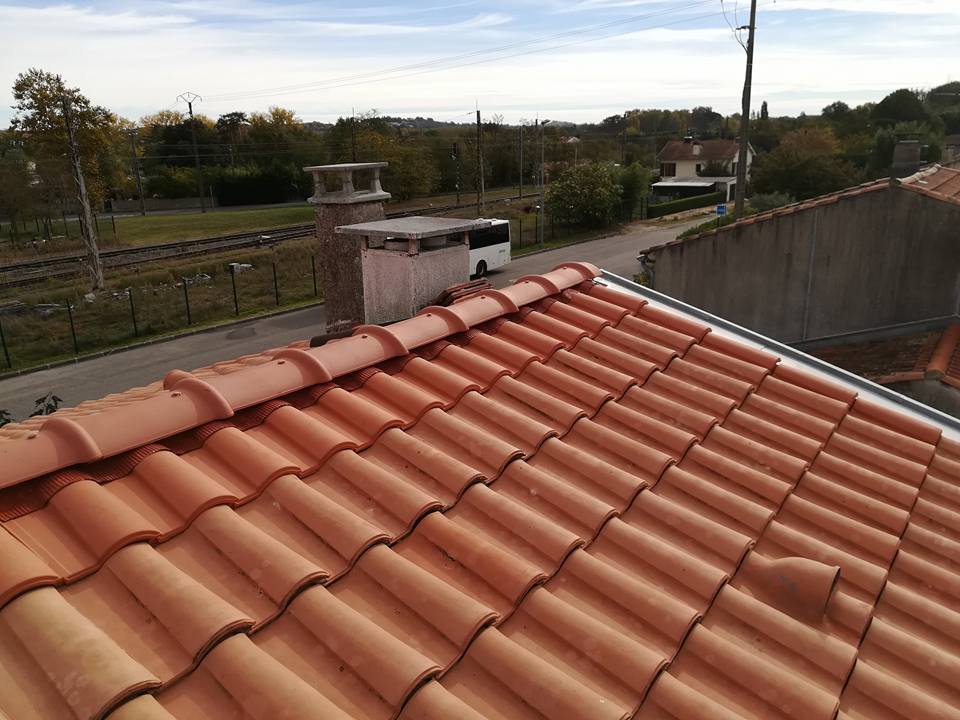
[{"x": 481, "y": 268}]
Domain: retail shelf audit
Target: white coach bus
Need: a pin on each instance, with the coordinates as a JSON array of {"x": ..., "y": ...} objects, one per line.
[{"x": 489, "y": 247}]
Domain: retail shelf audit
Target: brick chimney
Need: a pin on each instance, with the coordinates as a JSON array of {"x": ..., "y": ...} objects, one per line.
[{"x": 340, "y": 266}]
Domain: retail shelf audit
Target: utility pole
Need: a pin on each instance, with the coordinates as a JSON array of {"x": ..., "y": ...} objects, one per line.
[
  {"x": 745, "y": 117},
  {"x": 87, "y": 231},
  {"x": 188, "y": 98},
  {"x": 353, "y": 134},
  {"x": 456, "y": 157},
  {"x": 479, "y": 167},
  {"x": 521, "y": 161},
  {"x": 132, "y": 134}
]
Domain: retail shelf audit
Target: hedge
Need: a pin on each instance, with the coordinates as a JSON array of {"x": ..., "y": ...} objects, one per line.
[{"x": 675, "y": 206}]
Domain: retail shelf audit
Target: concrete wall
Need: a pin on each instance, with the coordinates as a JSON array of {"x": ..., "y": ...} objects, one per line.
[{"x": 867, "y": 261}]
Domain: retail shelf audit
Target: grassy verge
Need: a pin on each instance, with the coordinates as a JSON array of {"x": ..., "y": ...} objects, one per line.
[
  {"x": 155, "y": 229},
  {"x": 37, "y": 326}
]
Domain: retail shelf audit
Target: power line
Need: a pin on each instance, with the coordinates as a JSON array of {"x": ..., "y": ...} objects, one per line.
[{"x": 451, "y": 62}]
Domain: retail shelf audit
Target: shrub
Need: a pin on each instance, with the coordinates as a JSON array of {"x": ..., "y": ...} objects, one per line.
[
  {"x": 762, "y": 202},
  {"x": 634, "y": 181},
  {"x": 690, "y": 203},
  {"x": 585, "y": 195}
]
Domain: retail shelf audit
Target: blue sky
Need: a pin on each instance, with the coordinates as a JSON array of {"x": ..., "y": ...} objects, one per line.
[{"x": 579, "y": 60}]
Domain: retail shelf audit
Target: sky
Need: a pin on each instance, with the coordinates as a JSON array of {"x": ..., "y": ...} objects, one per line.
[{"x": 574, "y": 60}]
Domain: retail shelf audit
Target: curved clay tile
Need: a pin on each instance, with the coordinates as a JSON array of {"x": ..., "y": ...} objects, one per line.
[
  {"x": 678, "y": 414},
  {"x": 501, "y": 421},
  {"x": 726, "y": 364},
  {"x": 314, "y": 525},
  {"x": 710, "y": 380},
  {"x": 682, "y": 390},
  {"x": 645, "y": 428},
  {"x": 650, "y": 331},
  {"x": 437, "y": 381},
  {"x": 554, "y": 327},
  {"x": 630, "y": 302},
  {"x": 65, "y": 665},
  {"x": 595, "y": 305},
  {"x": 655, "y": 353},
  {"x": 499, "y": 352},
  {"x": 873, "y": 458},
  {"x": 772, "y": 434},
  {"x": 369, "y": 491},
  {"x": 551, "y": 497},
  {"x": 856, "y": 477},
  {"x": 434, "y": 702},
  {"x": 403, "y": 400},
  {"x": 754, "y": 454},
  {"x": 484, "y": 452},
  {"x": 792, "y": 388},
  {"x": 21, "y": 569},
  {"x": 475, "y": 565},
  {"x": 584, "y": 319},
  {"x": 803, "y": 423},
  {"x": 636, "y": 458},
  {"x": 476, "y": 368},
  {"x": 700, "y": 493},
  {"x": 592, "y": 372},
  {"x": 878, "y": 436},
  {"x": 422, "y": 465},
  {"x": 896, "y": 421},
  {"x": 755, "y": 484},
  {"x": 636, "y": 367},
  {"x": 565, "y": 386},
  {"x": 673, "y": 321},
  {"x": 580, "y": 646},
  {"x": 412, "y": 605},
  {"x": 535, "y": 404},
  {"x": 500, "y": 678},
  {"x": 237, "y": 462},
  {"x": 525, "y": 338},
  {"x": 878, "y": 513},
  {"x": 608, "y": 483},
  {"x": 300, "y": 437},
  {"x": 143, "y": 707}
]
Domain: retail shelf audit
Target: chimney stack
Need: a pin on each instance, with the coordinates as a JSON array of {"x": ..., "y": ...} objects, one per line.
[{"x": 340, "y": 266}]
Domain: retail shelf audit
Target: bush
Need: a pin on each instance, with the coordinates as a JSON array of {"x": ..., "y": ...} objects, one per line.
[
  {"x": 253, "y": 184},
  {"x": 634, "y": 181},
  {"x": 172, "y": 182},
  {"x": 675, "y": 206},
  {"x": 762, "y": 202},
  {"x": 585, "y": 196}
]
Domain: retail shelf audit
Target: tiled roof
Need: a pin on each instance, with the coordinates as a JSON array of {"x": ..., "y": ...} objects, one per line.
[
  {"x": 718, "y": 150},
  {"x": 941, "y": 183},
  {"x": 551, "y": 501},
  {"x": 933, "y": 354}
]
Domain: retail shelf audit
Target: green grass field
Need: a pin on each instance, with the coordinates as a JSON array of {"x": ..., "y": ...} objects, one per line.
[{"x": 155, "y": 229}]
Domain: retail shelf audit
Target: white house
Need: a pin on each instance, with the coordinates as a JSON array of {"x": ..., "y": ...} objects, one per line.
[{"x": 689, "y": 157}]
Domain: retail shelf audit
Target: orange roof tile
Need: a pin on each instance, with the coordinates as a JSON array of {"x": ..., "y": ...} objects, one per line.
[
  {"x": 556, "y": 500},
  {"x": 931, "y": 355}
]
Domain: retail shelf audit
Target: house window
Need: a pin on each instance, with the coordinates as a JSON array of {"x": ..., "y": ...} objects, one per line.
[
  {"x": 699, "y": 168},
  {"x": 733, "y": 170},
  {"x": 668, "y": 169}
]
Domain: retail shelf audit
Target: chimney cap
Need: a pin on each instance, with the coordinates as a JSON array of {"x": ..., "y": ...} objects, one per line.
[{"x": 417, "y": 227}]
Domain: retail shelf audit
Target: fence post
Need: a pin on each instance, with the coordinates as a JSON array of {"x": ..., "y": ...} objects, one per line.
[
  {"x": 96, "y": 221},
  {"x": 233, "y": 281},
  {"x": 113, "y": 219},
  {"x": 186, "y": 300},
  {"x": 36, "y": 221},
  {"x": 73, "y": 329},
  {"x": 133, "y": 312},
  {"x": 66, "y": 231},
  {"x": 3, "y": 341},
  {"x": 313, "y": 268},
  {"x": 520, "y": 233},
  {"x": 536, "y": 228},
  {"x": 276, "y": 286},
  {"x": 47, "y": 225}
]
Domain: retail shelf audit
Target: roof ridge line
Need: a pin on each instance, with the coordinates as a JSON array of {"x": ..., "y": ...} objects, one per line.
[{"x": 189, "y": 402}]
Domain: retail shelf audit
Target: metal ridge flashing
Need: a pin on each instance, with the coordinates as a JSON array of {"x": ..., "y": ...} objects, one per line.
[
  {"x": 188, "y": 402},
  {"x": 875, "y": 392}
]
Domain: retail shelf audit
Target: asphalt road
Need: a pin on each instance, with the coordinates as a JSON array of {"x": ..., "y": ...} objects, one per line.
[{"x": 98, "y": 377}]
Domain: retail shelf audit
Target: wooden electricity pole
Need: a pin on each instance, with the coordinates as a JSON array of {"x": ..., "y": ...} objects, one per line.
[
  {"x": 87, "y": 229},
  {"x": 745, "y": 117},
  {"x": 136, "y": 170},
  {"x": 479, "y": 167}
]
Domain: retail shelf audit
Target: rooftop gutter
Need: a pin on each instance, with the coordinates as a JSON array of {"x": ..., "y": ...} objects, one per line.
[{"x": 876, "y": 392}]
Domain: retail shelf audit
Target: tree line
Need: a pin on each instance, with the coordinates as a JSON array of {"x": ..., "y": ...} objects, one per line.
[{"x": 257, "y": 157}]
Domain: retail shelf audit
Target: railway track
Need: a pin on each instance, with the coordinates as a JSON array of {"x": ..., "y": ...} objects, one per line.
[{"x": 28, "y": 272}]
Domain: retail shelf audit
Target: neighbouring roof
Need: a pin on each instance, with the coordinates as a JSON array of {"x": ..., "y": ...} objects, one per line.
[
  {"x": 556, "y": 500},
  {"x": 941, "y": 183},
  {"x": 933, "y": 354},
  {"x": 699, "y": 181},
  {"x": 710, "y": 151}
]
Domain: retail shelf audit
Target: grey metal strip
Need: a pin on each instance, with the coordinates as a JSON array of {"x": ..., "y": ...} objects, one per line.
[{"x": 885, "y": 395}]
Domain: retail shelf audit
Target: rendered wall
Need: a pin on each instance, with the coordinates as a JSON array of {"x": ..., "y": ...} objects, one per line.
[
  {"x": 872, "y": 260},
  {"x": 397, "y": 285}
]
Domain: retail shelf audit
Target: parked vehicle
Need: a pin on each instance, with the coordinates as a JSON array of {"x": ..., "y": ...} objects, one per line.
[{"x": 489, "y": 247}]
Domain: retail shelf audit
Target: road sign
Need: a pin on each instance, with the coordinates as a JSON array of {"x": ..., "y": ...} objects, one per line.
[{"x": 721, "y": 209}]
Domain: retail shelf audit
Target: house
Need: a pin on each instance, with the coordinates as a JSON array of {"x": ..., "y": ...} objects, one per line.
[
  {"x": 688, "y": 157},
  {"x": 871, "y": 257},
  {"x": 573, "y": 498}
]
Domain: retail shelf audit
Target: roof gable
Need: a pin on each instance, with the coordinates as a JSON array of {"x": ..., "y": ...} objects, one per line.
[{"x": 717, "y": 150}]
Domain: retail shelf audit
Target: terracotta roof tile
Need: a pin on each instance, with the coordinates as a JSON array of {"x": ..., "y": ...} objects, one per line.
[{"x": 592, "y": 509}]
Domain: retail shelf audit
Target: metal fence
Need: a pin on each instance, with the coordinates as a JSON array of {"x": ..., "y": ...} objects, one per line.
[{"x": 160, "y": 303}]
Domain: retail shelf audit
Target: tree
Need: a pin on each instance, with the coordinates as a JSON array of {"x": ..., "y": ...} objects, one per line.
[
  {"x": 764, "y": 111},
  {"x": 38, "y": 121},
  {"x": 17, "y": 194},
  {"x": 807, "y": 163},
  {"x": 585, "y": 195},
  {"x": 900, "y": 106}
]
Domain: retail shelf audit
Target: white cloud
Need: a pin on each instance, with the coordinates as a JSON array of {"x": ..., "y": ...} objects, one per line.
[{"x": 874, "y": 7}]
